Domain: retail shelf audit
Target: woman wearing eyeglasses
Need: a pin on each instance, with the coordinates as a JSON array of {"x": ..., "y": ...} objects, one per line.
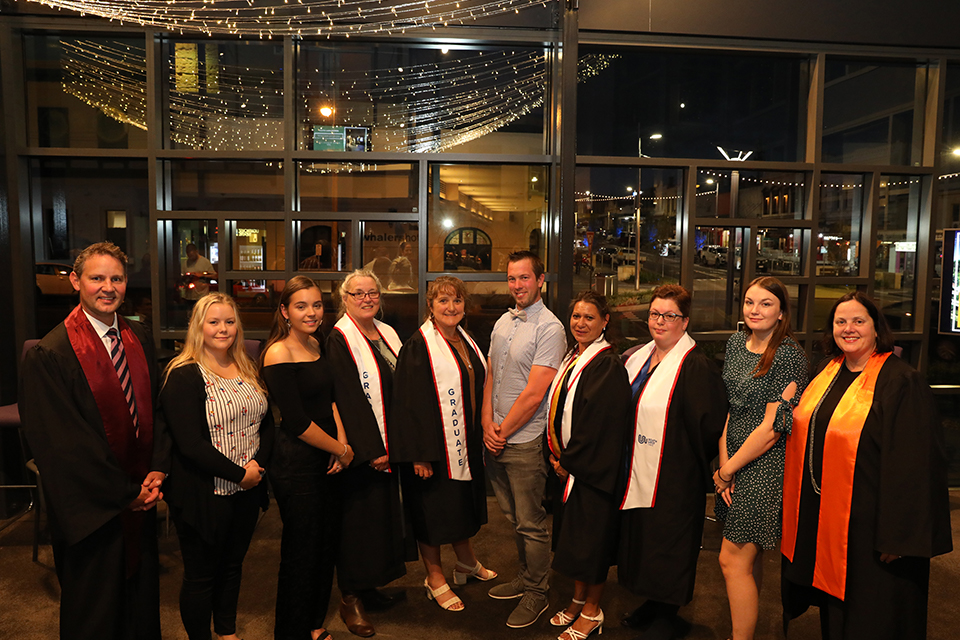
[
  {"x": 679, "y": 408},
  {"x": 364, "y": 352}
]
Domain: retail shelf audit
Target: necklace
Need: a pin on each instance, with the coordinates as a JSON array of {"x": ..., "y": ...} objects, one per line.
[
  {"x": 464, "y": 355},
  {"x": 812, "y": 427}
]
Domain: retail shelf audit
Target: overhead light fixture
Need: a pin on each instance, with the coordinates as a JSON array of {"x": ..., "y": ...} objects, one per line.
[{"x": 326, "y": 111}]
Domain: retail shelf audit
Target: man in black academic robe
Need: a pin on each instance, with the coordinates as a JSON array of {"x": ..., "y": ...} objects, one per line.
[{"x": 101, "y": 460}]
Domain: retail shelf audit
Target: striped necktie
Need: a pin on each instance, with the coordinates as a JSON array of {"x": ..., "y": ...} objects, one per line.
[{"x": 119, "y": 357}]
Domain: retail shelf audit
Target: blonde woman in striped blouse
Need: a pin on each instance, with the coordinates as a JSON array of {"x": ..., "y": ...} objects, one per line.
[{"x": 222, "y": 432}]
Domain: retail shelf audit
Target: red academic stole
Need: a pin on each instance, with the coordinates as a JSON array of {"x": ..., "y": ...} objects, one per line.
[
  {"x": 839, "y": 460},
  {"x": 133, "y": 453}
]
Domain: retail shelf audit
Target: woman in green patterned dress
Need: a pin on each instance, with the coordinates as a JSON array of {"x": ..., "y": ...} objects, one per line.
[{"x": 765, "y": 371}]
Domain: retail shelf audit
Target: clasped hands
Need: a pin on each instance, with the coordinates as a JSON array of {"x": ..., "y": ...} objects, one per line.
[
  {"x": 150, "y": 493},
  {"x": 492, "y": 439}
]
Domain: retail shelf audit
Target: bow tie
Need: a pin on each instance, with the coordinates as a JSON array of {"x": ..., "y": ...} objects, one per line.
[{"x": 518, "y": 313}]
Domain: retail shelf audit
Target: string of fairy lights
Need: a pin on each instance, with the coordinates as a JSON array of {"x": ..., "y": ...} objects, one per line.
[
  {"x": 270, "y": 18},
  {"x": 428, "y": 106}
]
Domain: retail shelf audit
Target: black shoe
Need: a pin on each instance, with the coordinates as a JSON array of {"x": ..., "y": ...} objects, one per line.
[
  {"x": 378, "y": 600},
  {"x": 641, "y": 616}
]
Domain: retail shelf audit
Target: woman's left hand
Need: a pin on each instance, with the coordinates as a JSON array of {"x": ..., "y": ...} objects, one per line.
[
  {"x": 423, "y": 469},
  {"x": 723, "y": 487},
  {"x": 335, "y": 465},
  {"x": 889, "y": 557},
  {"x": 381, "y": 464}
]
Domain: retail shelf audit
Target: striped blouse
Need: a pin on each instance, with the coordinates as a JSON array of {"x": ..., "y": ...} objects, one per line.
[{"x": 234, "y": 412}]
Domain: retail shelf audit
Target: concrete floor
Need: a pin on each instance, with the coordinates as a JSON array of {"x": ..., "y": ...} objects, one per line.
[{"x": 29, "y": 593}]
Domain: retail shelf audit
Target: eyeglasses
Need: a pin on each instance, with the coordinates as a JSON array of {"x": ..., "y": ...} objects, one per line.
[
  {"x": 667, "y": 317},
  {"x": 361, "y": 295}
]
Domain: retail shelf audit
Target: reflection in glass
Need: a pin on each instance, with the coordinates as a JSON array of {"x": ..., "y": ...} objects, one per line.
[
  {"x": 77, "y": 202},
  {"x": 85, "y": 92},
  {"x": 323, "y": 246},
  {"x": 391, "y": 251},
  {"x": 421, "y": 98},
  {"x": 225, "y": 185},
  {"x": 479, "y": 214},
  {"x": 257, "y": 300},
  {"x": 869, "y": 109},
  {"x": 224, "y": 96},
  {"x": 718, "y": 280},
  {"x": 896, "y": 259},
  {"x": 704, "y": 104},
  {"x": 779, "y": 251},
  {"x": 189, "y": 258},
  {"x": 841, "y": 216},
  {"x": 258, "y": 246},
  {"x": 486, "y": 302},
  {"x": 354, "y": 186}
]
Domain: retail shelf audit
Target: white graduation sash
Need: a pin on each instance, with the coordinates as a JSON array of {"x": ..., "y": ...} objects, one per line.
[
  {"x": 449, "y": 385},
  {"x": 598, "y": 346},
  {"x": 651, "y": 420},
  {"x": 366, "y": 362}
]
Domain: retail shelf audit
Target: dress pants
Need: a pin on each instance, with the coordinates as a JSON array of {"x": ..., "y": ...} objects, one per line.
[
  {"x": 212, "y": 569},
  {"x": 97, "y": 599}
]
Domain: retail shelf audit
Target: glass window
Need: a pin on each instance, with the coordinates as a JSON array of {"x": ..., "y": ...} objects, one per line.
[
  {"x": 486, "y": 302},
  {"x": 85, "y": 92},
  {"x": 705, "y": 104},
  {"x": 841, "y": 216},
  {"x": 896, "y": 258},
  {"x": 324, "y": 246},
  {"x": 871, "y": 110},
  {"x": 258, "y": 246},
  {"x": 225, "y": 185},
  {"x": 391, "y": 250},
  {"x": 779, "y": 252},
  {"x": 825, "y": 295},
  {"x": 258, "y": 301},
  {"x": 77, "y": 202},
  {"x": 479, "y": 214},
  {"x": 224, "y": 96},
  {"x": 421, "y": 98},
  {"x": 353, "y": 186},
  {"x": 718, "y": 280},
  {"x": 189, "y": 259}
]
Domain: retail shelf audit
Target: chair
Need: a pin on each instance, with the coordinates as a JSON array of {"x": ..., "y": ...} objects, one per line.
[{"x": 10, "y": 418}]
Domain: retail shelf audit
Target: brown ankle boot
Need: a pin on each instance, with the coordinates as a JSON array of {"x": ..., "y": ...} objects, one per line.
[{"x": 351, "y": 611}]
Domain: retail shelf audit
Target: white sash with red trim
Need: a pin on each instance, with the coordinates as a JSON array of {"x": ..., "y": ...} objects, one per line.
[
  {"x": 366, "y": 362},
  {"x": 598, "y": 346},
  {"x": 651, "y": 420},
  {"x": 449, "y": 385}
]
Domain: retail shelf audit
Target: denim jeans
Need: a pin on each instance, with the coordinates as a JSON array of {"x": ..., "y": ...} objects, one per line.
[{"x": 519, "y": 476}]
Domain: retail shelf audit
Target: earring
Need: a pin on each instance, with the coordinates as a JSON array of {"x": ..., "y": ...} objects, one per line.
[{"x": 288, "y": 322}]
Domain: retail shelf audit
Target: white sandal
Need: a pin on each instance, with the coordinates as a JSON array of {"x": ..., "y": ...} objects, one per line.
[
  {"x": 461, "y": 572},
  {"x": 572, "y": 634},
  {"x": 562, "y": 618},
  {"x": 433, "y": 594}
]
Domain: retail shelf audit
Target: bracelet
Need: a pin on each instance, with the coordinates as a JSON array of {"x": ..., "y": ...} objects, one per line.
[
  {"x": 719, "y": 475},
  {"x": 344, "y": 452}
]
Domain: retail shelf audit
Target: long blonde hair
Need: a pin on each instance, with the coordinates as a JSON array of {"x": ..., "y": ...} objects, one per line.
[{"x": 194, "y": 353}]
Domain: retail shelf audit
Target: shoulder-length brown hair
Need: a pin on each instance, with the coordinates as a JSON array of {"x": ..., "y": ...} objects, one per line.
[
  {"x": 280, "y": 329},
  {"x": 884, "y": 334},
  {"x": 782, "y": 331}
]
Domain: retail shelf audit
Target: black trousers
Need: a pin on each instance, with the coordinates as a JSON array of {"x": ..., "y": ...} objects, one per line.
[
  {"x": 212, "y": 568},
  {"x": 97, "y": 599},
  {"x": 310, "y": 510}
]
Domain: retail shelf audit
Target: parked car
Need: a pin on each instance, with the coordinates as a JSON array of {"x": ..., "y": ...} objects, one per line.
[
  {"x": 626, "y": 256},
  {"x": 53, "y": 279},
  {"x": 713, "y": 255}
]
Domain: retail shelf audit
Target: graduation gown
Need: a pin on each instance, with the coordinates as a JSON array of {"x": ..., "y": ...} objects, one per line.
[
  {"x": 586, "y": 524},
  {"x": 372, "y": 548},
  {"x": 87, "y": 490},
  {"x": 659, "y": 546},
  {"x": 899, "y": 506},
  {"x": 443, "y": 510}
]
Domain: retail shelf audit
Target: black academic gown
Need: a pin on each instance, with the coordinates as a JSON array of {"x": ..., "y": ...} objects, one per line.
[
  {"x": 585, "y": 527},
  {"x": 443, "y": 511},
  {"x": 86, "y": 491},
  {"x": 899, "y": 506},
  {"x": 659, "y": 545},
  {"x": 372, "y": 541}
]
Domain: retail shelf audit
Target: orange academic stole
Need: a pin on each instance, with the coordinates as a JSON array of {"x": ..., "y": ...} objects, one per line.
[{"x": 839, "y": 460}]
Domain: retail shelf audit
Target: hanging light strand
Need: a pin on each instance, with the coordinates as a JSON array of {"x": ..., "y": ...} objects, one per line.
[{"x": 269, "y": 18}]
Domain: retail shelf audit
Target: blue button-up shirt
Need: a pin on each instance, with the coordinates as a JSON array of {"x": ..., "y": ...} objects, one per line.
[{"x": 516, "y": 346}]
